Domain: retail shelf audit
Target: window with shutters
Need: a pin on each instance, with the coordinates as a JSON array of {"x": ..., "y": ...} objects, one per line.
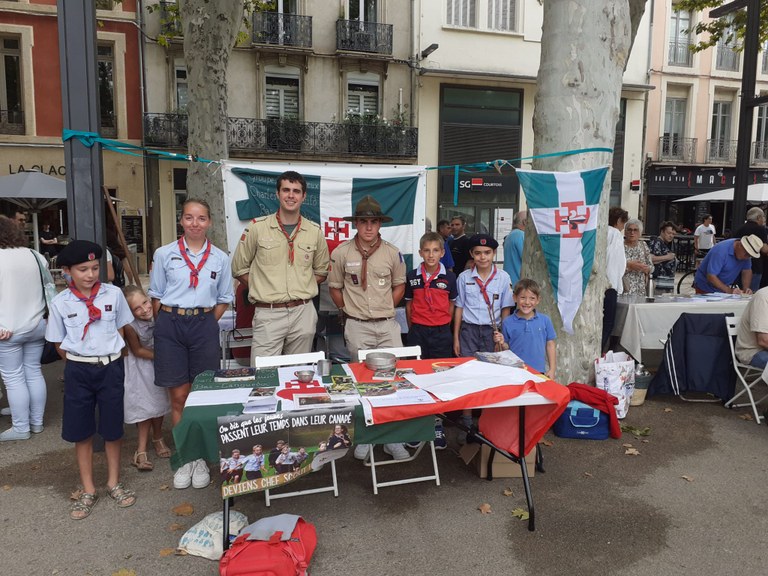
[
  {"x": 282, "y": 97},
  {"x": 105, "y": 58},
  {"x": 461, "y": 13},
  {"x": 182, "y": 88},
  {"x": 363, "y": 94},
  {"x": 501, "y": 15},
  {"x": 680, "y": 38}
]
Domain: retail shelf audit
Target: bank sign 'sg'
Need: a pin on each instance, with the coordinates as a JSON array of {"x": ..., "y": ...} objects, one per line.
[{"x": 573, "y": 218}]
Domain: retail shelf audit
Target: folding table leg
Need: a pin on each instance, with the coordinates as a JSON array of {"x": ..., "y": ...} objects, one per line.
[{"x": 225, "y": 522}]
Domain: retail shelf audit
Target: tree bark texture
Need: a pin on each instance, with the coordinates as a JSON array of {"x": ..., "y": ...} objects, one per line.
[
  {"x": 210, "y": 29},
  {"x": 584, "y": 50}
]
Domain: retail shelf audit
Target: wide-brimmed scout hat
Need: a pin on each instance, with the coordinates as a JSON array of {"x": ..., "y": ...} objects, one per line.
[
  {"x": 752, "y": 244},
  {"x": 368, "y": 208}
]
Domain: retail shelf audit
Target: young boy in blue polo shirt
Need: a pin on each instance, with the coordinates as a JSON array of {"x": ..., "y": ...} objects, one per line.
[
  {"x": 86, "y": 322},
  {"x": 528, "y": 333},
  {"x": 484, "y": 299}
]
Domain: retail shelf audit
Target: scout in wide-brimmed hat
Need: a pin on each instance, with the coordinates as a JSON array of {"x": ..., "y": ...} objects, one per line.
[{"x": 368, "y": 208}]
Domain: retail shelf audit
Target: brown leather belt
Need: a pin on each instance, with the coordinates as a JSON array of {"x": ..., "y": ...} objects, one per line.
[
  {"x": 185, "y": 311},
  {"x": 348, "y": 317},
  {"x": 289, "y": 304}
]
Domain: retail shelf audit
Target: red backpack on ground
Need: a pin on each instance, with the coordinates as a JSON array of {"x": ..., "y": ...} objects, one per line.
[{"x": 262, "y": 550}]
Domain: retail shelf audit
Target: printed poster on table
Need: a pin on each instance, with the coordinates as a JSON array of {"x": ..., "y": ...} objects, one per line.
[{"x": 263, "y": 451}]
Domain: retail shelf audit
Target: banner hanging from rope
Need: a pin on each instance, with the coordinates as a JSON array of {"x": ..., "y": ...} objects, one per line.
[{"x": 564, "y": 209}]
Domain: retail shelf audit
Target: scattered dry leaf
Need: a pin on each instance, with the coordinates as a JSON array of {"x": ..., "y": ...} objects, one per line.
[
  {"x": 687, "y": 478},
  {"x": 520, "y": 513},
  {"x": 7, "y": 487},
  {"x": 547, "y": 443},
  {"x": 124, "y": 572},
  {"x": 587, "y": 474},
  {"x": 167, "y": 552},
  {"x": 485, "y": 508},
  {"x": 184, "y": 509},
  {"x": 35, "y": 467},
  {"x": 668, "y": 410},
  {"x": 75, "y": 495},
  {"x": 164, "y": 487},
  {"x": 176, "y": 527},
  {"x": 626, "y": 445},
  {"x": 645, "y": 441},
  {"x": 747, "y": 417},
  {"x": 180, "y": 552},
  {"x": 632, "y": 452},
  {"x": 635, "y": 431},
  {"x": 508, "y": 492}
]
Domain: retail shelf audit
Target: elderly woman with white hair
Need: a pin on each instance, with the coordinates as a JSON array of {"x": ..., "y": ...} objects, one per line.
[{"x": 639, "y": 264}]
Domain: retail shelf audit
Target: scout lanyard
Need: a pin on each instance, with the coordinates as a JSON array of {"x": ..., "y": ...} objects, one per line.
[
  {"x": 366, "y": 254},
  {"x": 194, "y": 272},
  {"x": 427, "y": 283},
  {"x": 483, "y": 285},
  {"x": 290, "y": 237},
  {"x": 93, "y": 312}
]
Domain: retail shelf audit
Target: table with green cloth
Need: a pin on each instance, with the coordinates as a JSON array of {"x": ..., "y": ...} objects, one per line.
[{"x": 196, "y": 433}]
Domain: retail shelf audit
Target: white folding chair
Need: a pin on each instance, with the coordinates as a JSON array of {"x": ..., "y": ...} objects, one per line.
[
  {"x": 744, "y": 373},
  {"x": 295, "y": 360},
  {"x": 370, "y": 459}
]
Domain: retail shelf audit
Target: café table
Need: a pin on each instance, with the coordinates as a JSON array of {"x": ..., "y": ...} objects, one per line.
[
  {"x": 643, "y": 324},
  {"x": 529, "y": 407}
]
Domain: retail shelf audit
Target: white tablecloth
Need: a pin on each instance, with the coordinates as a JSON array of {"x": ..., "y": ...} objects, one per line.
[{"x": 641, "y": 324}]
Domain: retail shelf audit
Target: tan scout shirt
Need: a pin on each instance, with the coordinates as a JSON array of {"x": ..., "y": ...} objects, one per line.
[
  {"x": 753, "y": 319},
  {"x": 262, "y": 253},
  {"x": 386, "y": 270}
]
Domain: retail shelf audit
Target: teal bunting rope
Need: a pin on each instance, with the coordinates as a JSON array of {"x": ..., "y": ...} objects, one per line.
[{"x": 88, "y": 139}]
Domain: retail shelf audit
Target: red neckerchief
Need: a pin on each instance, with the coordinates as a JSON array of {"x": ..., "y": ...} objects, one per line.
[
  {"x": 93, "y": 312},
  {"x": 366, "y": 254},
  {"x": 194, "y": 272},
  {"x": 290, "y": 237},
  {"x": 427, "y": 283},
  {"x": 482, "y": 285}
]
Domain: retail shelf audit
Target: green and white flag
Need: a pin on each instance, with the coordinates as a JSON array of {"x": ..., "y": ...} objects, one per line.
[{"x": 564, "y": 208}]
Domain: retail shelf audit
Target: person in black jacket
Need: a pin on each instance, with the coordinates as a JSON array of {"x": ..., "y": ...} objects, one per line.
[{"x": 755, "y": 224}]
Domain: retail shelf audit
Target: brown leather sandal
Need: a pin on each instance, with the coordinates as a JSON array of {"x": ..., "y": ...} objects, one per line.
[
  {"x": 161, "y": 449},
  {"x": 142, "y": 462}
]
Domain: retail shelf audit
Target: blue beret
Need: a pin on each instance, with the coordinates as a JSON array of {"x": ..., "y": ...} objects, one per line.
[{"x": 77, "y": 252}]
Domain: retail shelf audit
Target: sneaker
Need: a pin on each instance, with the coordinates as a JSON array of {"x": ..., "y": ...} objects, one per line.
[
  {"x": 201, "y": 476},
  {"x": 440, "y": 441},
  {"x": 5, "y": 411},
  {"x": 413, "y": 445},
  {"x": 361, "y": 451},
  {"x": 36, "y": 428},
  {"x": 11, "y": 434},
  {"x": 397, "y": 451},
  {"x": 183, "y": 477}
]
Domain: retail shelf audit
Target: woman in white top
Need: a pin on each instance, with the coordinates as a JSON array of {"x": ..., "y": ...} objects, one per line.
[
  {"x": 22, "y": 331},
  {"x": 616, "y": 264}
]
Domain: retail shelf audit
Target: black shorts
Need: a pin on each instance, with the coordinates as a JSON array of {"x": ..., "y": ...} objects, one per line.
[
  {"x": 185, "y": 346},
  {"x": 86, "y": 387}
]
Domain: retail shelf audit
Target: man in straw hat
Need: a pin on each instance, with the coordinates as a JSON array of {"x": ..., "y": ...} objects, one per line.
[
  {"x": 366, "y": 282},
  {"x": 723, "y": 264}
]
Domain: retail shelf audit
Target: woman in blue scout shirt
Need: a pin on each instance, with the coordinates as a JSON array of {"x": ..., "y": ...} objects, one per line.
[{"x": 190, "y": 287}]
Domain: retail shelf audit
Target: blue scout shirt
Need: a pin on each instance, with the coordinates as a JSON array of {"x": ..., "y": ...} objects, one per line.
[
  {"x": 528, "y": 338},
  {"x": 169, "y": 278},
  {"x": 68, "y": 316},
  {"x": 722, "y": 262},
  {"x": 475, "y": 310}
]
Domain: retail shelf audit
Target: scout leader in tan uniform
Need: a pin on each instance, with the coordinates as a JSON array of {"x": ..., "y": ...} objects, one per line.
[
  {"x": 367, "y": 281},
  {"x": 282, "y": 258}
]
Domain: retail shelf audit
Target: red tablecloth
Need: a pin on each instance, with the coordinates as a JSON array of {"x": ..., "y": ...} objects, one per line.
[{"x": 499, "y": 425}]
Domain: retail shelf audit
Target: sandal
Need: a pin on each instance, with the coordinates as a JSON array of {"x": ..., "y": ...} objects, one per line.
[
  {"x": 125, "y": 498},
  {"x": 142, "y": 462},
  {"x": 83, "y": 506},
  {"x": 161, "y": 449}
]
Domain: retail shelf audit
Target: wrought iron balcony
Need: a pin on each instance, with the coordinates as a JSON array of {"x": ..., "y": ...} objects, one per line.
[
  {"x": 356, "y": 36},
  {"x": 680, "y": 54},
  {"x": 282, "y": 29},
  {"x": 673, "y": 147},
  {"x": 11, "y": 122},
  {"x": 287, "y": 135},
  {"x": 760, "y": 153},
  {"x": 721, "y": 150}
]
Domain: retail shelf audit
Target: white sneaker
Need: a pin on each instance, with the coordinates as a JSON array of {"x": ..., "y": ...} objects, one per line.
[
  {"x": 397, "y": 451},
  {"x": 183, "y": 477},
  {"x": 201, "y": 476},
  {"x": 361, "y": 451}
]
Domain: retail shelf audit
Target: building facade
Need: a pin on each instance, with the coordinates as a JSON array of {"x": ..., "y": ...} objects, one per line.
[
  {"x": 692, "y": 122},
  {"x": 31, "y": 110}
]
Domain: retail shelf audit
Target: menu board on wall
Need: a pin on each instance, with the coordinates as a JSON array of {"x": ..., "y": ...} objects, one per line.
[{"x": 133, "y": 230}]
